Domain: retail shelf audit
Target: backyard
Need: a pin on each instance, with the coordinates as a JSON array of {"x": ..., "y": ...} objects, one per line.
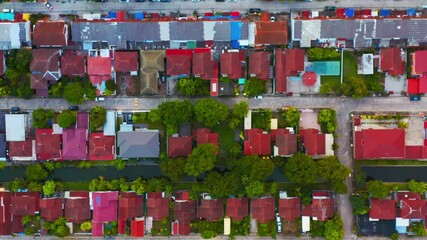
[{"x": 225, "y": 141}]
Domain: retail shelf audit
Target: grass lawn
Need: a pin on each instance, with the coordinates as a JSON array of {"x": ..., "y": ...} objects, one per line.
[
  {"x": 76, "y": 185},
  {"x": 350, "y": 70},
  {"x": 226, "y": 141},
  {"x": 334, "y": 81},
  {"x": 386, "y": 162}
]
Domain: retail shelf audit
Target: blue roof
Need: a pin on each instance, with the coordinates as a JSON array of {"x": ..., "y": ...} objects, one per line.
[
  {"x": 349, "y": 12},
  {"x": 7, "y": 16},
  {"x": 112, "y": 14},
  {"x": 385, "y": 12},
  {"x": 216, "y": 17},
  {"x": 235, "y": 44},
  {"x": 235, "y": 30},
  {"x": 139, "y": 16},
  {"x": 411, "y": 12}
]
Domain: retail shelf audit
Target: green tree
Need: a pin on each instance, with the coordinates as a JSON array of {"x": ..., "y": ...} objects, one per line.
[
  {"x": 222, "y": 185},
  {"x": 402, "y": 124},
  {"x": 139, "y": 185},
  {"x": 325, "y": 89},
  {"x": 57, "y": 91},
  {"x": 255, "y": 87},
  {"x": 2, "y": 165},
  {"x": 417, "y": 187},
  {"x": 322, "y": 54},
  {"x": 158, "y": 185},
  {"x": 292, "y": 117},
  {"x": 174, "y": 169},
  {"x": 111, "y": 85},
  {"x": 35, "y": 186},
  {"x": 174, "y": 113},
  {"x": 334, "y": 229},
  {"x": 240, "y": 109},
  {"x": 16, "y": 184},
  {"x": 50, "y": 166},
  {"x": 57, "y": 227},
  {"x": 255, "y": 189},
  {"x": 89, "y": 90},
  {"x": 327, "y": 120},
  {"x": 154, "y": 115},
  {"x": 210, "y": 112},
  {"x": 394, "y": 236},
  {"x": 417, "y": 228},
  {"x": 377, "y": 189},
  {"x": 360, "y": 203},
  {"x": 49, "y": 188},
  {"x": 74, "y": 93},
  {"x": 84, "y": 164},
  {"x": 36, "y": 172},
  {"x": 201, "y": 160},
  {"x": 330, "y": 169},
  {"x": 354, "y": 87},
  {"x": 301, "y": 169},
  {"x": 193, "y": 86},
  {"x": 67, "y": 119},
  {"x": 86, "y": 226},
  {"x": 24, "y": 90},
  {"x": 97, "y": 117},
  {"x": 252, "y": 168},
  {"x": 41, "y": 117},
  {"x": 119, "y": 164}
]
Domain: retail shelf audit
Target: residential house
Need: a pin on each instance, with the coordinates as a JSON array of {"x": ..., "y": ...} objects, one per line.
[
  {"x": 131, "y": 207},
  {"x": 73, "y": 63},
  {"x": 418, "y": 85},
  {"x": 101, "y": 147},
  {"x": 2, "y": 63},
  {"x": 178, "y": 62},
  {"x": 157, "y": 206},
  {"x": 263, "y": 209},
  {"x": 104, "y": 210},
  {"x": 99, "y": 70},
  {"x": 22, "y": 150},
  {"x": 204, "y": 136},
  {"x": 315, "y": 143},
  {"x": 285, "y": 143},
  {"x": 5, "y": 213},
  {"x": 322, "y": 206},
  {"x": 44, "y": 69},
  {"x": 259, "y": 65},
  {"x": 152, "y": 62},
  {"x": 237, "y": 208},
  {"x": 14, "y": 34},
  {"x": 257, "y": 142},
  {"x": 74, "y": 146},
  {"x": 211, "y": 210},
  {"x": 179, "y": 146},
  {"x": 77, "y": 206},
  {"x": 290, "y": 208},
  {"x": 289, "y": 62},
  {"x": 138, "y": 144},
  {"x": 16, "y": 127},
  {"x": 391, "y": 61},
  {"x": 48, "y": 145},
  {"x": 204, "y": 66},
  {"x": 50, "y": 34},
  {"x": 184, "y": 213},
  {"x": 126, "y": 62},
  {"x": 269, "y": 33},
  {"x": 382, "y": 209},
  {"x": 232, "y": 64},
  {"x": 51, "y": 208},
  {"x": 23, "y": 204},
  {"x": 3, "y": 142}
]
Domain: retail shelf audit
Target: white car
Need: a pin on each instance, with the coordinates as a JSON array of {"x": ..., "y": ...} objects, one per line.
[{"x": 48, "y": 5}]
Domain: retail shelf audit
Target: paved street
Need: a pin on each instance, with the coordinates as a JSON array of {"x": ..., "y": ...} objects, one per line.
[
  {"x": 208, "y": 5},
  {"x": 343, "y": 106}
]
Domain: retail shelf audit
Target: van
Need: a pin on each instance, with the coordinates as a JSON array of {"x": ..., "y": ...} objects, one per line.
[{"x": 8, "y": 10}]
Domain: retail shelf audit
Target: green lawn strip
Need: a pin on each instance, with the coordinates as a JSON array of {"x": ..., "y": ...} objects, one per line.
[
  {"x": 334, "y": 81},
  {"x": 76, "y": 185},
  {"x": 385, "y": 162},
  {"x": 225, "y": 140}
]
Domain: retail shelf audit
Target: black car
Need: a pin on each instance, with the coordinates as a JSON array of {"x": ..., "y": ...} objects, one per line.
[
  {"x": 139, "y": 0},
  {"x": 254, "y": 10},
  {"x": 74, "y": 108},
  {"x": 15, "y": 110}
]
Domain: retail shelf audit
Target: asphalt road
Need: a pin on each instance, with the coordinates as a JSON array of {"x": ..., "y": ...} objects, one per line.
[
  {"x": 205, "y": 6},
  {"x": 343, "y": 106}
]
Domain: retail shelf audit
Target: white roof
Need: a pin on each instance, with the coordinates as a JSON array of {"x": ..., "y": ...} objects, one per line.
[
  {"x": 248, "y": 120},
  {"x": 15, "y": 127},
  {"x": 305, "y": 224},
  {"x": 400, "y": 222},
  {"x": 110, "y": 124}
]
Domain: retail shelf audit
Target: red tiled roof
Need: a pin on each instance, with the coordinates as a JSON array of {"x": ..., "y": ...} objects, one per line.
[
  {"x": 181, "y": 228},
  {"x": 314, "y": 141},
  {"x": 157, "y": 206},
  {"x": 104, "y": 206},
  {"x": 413, "y": 209},
  {"x": 322, "y": 208},
  {"x": 178, "y": 61},
  {"x": 182, "y": 195},
  {"x": 259, "y": 65},
  {"x": 74, "y": 146},
  {"x": 391, "y": 61},
  {"x": 48, "y": 145},
  {"x": 423, "y": 83},
  {"x": 2, "y": 63},
  {"x": 179, "y": 146},
  {"x": 286, "y": 142},
  {"x": 203, "y": 64},
  {"x": 214, "y": 87},
  {"x": 21, "y": 149},
  {"x": 125, "y": 61},
  {"x": 184, "y": 211},
  {"x": 379, "y": 143},
  {"x": 137, "y": 228},
  {"x": 77, "y": 209},
  {"x": 51, "y": 208},
  {"x": 25, "y": 203},
  {"x": 73, "y": 65},
  {"x": 263, "y": 209},
  {"x": 257, "y": 142},
  {"x": 382, "y": 209},
  {"x": 413, "y": 86},
  {"x": 212, "y": 210},
  {"x": 237, "y": 208},
  {"x": 204, "y": 135},
  {"x": 97, "y": 229},
  {"x": 44, "y": 67},
  {"x": 271, "y": 32},
  {"x": 288, "y": 63},
  {"x": 130, "y": 206},
  {"x": 290, "y": 208},
  {"x": 5, "y": 215},
  {"x": 231, "y": 65},
  {"x": 419, "y": 59},
  {"x": 400, "y": 195},
  {"x": 101, "y": 147},
  {"x": 48, "y": 33},
  {"x": 99, "y": 69}
]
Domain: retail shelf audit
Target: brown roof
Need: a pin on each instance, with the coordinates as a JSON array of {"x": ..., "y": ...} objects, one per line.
[
  {"x": 184, "y": 211},
  {"x": 237, "y": 208},
  {"x": 211, "y": 210},
  {"x": 44, "y": 67},
  {"x": 271, "y": 33},
  {"x": 153, "y": 59},
  {"x": 48, "y": 33},
  {"x": 263, "y": 209},
  {"x": 73, "y": 64},
  {"x": 203, "y": 65},
  {"x": 231, "y": 65},
  {"x": 149, "y": 82},
  {"x": 157, "y": 206},
  {"x": 77, "y": 208},
  {"x": 21, "y": 149},
  {"x": 290, "y": 208},
  {"x": 259, "y": 65},
  {"x": 285, "y": 142},
  {"x": 130, "y": 205},
  {"x": 125, "y": 61},
  {"x": 51, "y": 208}
]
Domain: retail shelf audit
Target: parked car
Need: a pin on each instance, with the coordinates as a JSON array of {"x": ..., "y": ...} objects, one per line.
[
  {"x": 415, "y": 98},
  {"x": 8, "y": 10},
  {"x": 15, "y": 110},
  {"x": 279, "y": 223},
  {"x": 74, "y": 108},
  {"x": 48, "y": 5},
  {"x": 139, "y": 0},
  {"x": 100, "y": 99},
  {"x": 255, "y": 10}
]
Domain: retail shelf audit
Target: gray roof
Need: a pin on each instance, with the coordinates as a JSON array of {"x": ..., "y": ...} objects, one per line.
[
  {"x": 2, "y": 122},
  {"x": 361, "y": 30},
  {"x": 2, "y": 145},
  {"x": 139, "y": 144},
  {"x": 12, "y": 34}
]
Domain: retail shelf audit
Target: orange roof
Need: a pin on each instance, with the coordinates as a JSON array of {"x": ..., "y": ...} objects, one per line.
[
  {"x": 271, "y": 33},
  {"x": 48, "y": 33}
]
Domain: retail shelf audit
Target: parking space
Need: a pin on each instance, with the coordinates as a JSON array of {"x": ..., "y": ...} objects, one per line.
[
  {"x": 309, "y": 119},
  {"x": 415, "y": 131}
]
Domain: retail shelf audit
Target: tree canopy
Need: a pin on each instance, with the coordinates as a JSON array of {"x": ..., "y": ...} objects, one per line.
[
  {"x": 322, "y": 54},
  {"x": 201, "y": 160},
  {"x": 41, "y": 117},
  {"x": 210, "y": 112},
  {"x": 417, "y": 187},
  {"x": 66, "y": 119},
  {"x": 301, "y": 169},
  {"x": 354, "y": 87},
  {"x": 252, "y": 168},
  {"x": 377, "y": 189},
  {"x": 240, "y": 109},
  {"x": 327, "y": 120},
  {"x": 255, "y": 87},
  {"x": 330, "y": 169},
  {"x": 292, "y": 117},
  {"x": 36, "y": 172},
  {"x": 57, "y": 227},
  {"x": 97, "y": 117},
  {"x": 74, "y": 93},
  {"x": 174, "y": 169},
  {"x": 222, "y": 185},
  {"x": 360, "y": 203},
  {"x": 193, "y": 86},
  {"x": 174, "y": 113},
  {"x": 334, "y": 229},
  {"x": 49, "y": 188}
]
